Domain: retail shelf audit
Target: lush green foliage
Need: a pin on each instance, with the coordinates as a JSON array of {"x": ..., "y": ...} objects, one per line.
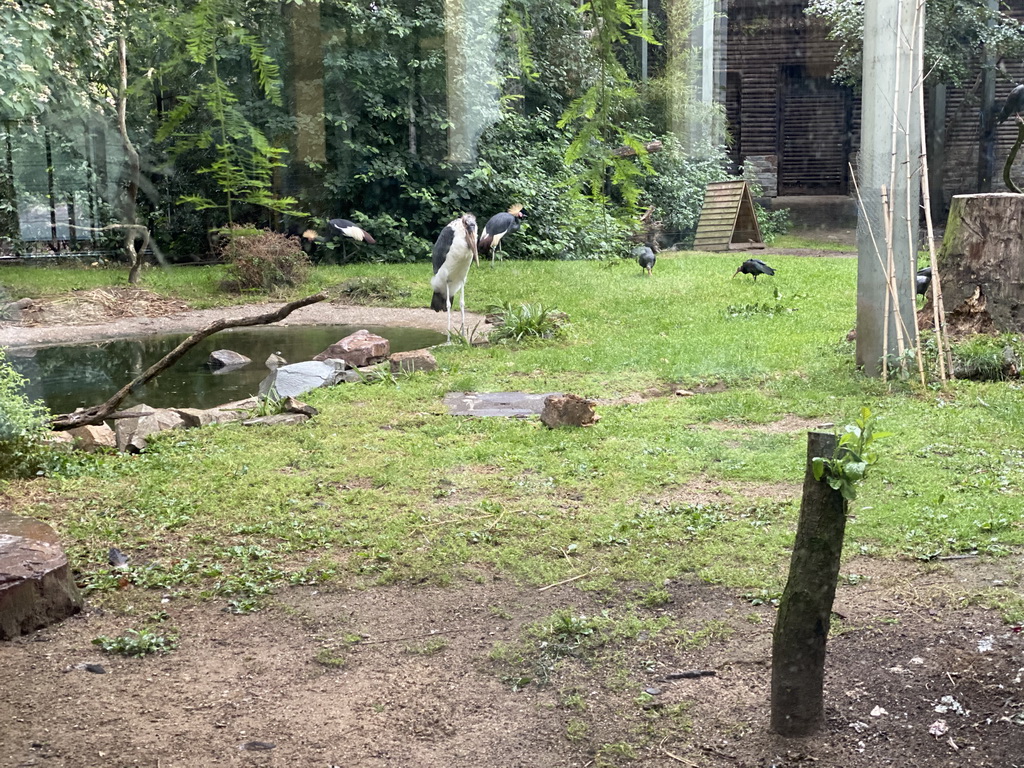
[
  {"x": 23, "y": 425},
  {"x": 261, "y": 260}
]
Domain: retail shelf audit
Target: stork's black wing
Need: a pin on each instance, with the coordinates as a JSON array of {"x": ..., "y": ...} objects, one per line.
[
  {"x": 338, "y": 226},
  {"x": 442, "y": 246}
]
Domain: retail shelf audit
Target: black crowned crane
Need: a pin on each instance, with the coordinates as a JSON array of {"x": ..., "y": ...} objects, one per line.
[
  {"x": 499, "y": 225},
  {"x": 754, "y": 267},
  {"x": 645, "y": 258},
  {"x": 340, "y": 230},
  {"x": 454, "y": 251},
  {"x": 1014, "y": 104}
]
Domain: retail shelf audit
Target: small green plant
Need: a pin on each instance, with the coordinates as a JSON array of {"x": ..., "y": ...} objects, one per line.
[
  {"x": 766, "y": 308},
  {"x": 377, "y": 374},
  {"x": 576, "y": 730},
  {"x": 853, "y": 455},
  {"x": 137, "y": 642},
  {"x": 379, "y": 289},
  {"x": 525, "y": 321},
  {"x": 330, "y": 658},
  {"x": 22, "y": 425},
  {"x": 268, "y": 404},
  {"x": 260, "y": 260}
]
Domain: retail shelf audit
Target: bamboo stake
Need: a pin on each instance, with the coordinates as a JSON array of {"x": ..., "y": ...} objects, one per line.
[
  {"x": 912, "y": 220},
  {"x": 926, "y": 202}
]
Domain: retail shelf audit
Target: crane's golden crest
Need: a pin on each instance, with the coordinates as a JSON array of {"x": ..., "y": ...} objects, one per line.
[{"x": 515, "y": 209}]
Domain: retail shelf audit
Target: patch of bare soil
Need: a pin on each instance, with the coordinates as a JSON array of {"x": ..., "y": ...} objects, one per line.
[
  {"x": 116, "y": 313},
  {"x": 401, "y": 676},
  {"x": 785, "y": 425},
  {"x": 708, "y": 490}
]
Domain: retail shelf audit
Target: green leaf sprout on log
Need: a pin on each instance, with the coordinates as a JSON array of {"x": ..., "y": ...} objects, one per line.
[{"x": 853, "y": 455}]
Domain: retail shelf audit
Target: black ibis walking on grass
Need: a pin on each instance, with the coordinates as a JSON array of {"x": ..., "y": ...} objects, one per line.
[
  {"x": 1014, "y": 104},
  {"x": 924, "y": 279},
  {"x": 645, "y": 258},
  {"x": 499, "y": 225},
  {"x": 754, "y": 267},
  {"x": 339, "y": 231},
  {"x": 454, "y": 251}
]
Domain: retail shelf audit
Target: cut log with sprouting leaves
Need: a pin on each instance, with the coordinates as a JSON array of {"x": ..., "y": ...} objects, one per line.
[{"x": 97, "y": 413}]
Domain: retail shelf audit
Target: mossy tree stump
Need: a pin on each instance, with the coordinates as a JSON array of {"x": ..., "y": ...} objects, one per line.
[{"x": 983, "y": 249}]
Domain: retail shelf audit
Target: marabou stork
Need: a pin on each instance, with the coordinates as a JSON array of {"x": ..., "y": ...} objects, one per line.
[
  {"x": 754, "y": 267},
  {"x": 645, "y": 258},
  {"x": 1014, "y": 104},
  {"x": 924, "y": 279},
  {"x": 454, "y": 251},
  {"x": 338, "y": 230},
  {"x": 499, "y": 225}
]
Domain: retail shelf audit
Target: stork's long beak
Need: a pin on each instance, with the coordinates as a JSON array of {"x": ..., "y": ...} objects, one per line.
[
  {"x": 475, "y": 247},
  {"x": 735, "y": 273}
]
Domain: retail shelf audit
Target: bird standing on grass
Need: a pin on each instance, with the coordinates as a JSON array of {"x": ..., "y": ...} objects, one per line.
[
  {"x": 1014, "y": 104},
  {"x": 754, "y": 267},
  {"x": 499, "y": 225},
  {"x": 454, "y": 251},
  {"x": 340, "y": 230},
  {"x": 645, "y": 258}
]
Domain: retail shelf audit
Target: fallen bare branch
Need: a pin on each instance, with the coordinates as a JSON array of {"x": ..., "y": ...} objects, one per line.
[{"x": 98, "y": 413}]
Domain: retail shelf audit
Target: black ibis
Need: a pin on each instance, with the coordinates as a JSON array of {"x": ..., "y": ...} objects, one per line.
[
  {"x": 924, "y": 279},
  {"x": 754, "y": 267},
  {"x": 340, "y": 230},
  {"x": 454, "y": 251},
  {"x": 1014, "y": 104},
  {"x": 499, "y": 225},
  {"x": 645, "y": 258}
]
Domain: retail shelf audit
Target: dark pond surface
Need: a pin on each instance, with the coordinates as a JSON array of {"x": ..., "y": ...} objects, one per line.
[{"x": 67, "y": 377}]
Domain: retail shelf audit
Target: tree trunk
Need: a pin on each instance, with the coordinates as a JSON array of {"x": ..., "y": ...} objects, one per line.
[
  {"x": 798, "y": 648},
  {"x": 10, "y": 226},
  {"x": 132, "y": 171},
  {"x": 305, "y": 177},
  {"x": 983, "y": 250}
]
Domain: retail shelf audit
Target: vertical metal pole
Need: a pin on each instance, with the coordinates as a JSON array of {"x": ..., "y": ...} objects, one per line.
[
  {"x": 49, "y": 188},
  {"x": 987, "y": 129},
  {"x": 890, "y": 107}
]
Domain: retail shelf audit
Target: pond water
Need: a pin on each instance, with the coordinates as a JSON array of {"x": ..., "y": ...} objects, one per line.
[{"x": 67, "y": 377}]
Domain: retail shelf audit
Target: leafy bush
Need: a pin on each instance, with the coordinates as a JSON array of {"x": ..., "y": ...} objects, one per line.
[
  {"x": 988, "y": 358},
  {"x": 261, "y": 260},
  {"x": 23, "y": 425},
  {"x": 525, "y": 321},
  {"x": 396, "y": 242}
]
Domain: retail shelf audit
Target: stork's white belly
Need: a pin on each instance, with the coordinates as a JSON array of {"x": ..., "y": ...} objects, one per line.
[{"x": 453, "y": 272}]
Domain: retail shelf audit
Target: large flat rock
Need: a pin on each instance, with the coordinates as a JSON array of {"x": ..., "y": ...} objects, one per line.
[
  {"x": 36, "y": 586},
  {"x": 516, "y": 404}
]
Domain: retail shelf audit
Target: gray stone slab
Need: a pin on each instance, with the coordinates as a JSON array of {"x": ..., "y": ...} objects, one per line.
[{"x": 514, "y": 404}]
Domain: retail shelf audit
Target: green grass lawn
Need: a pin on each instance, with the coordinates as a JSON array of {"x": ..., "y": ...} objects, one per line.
[{"x": 384, "y": 487}]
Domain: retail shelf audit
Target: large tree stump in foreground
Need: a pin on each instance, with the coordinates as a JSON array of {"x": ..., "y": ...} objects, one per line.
[
  {"x": 983, "y": 249},
  {"x": 801, "y": 628}
]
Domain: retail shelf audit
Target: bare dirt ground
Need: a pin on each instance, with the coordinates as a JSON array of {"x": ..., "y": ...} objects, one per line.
[
  {"x": 419, "y": 688},
  {"x": 114, "y": 313},
  {"x": 917, "y": 673}
]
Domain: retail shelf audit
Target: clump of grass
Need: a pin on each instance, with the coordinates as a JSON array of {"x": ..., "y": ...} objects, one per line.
[
  {"x": 525, "y": 321},
  {"x": 330, "y": 658},
  {"x": 269, "y": 404},
  {"x": 379, "y": 289},
  {"x": 137, "y": 642},
  {"x": 988, "y": 358}
]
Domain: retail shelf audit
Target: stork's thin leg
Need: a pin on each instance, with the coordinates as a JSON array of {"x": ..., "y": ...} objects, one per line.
[
  {"x": 462, "y": 305},
  {"x": 448, "y": 307}
]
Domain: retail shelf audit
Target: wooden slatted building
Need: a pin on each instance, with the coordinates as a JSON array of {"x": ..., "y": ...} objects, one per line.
[{"x": 788, "y": 117}]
